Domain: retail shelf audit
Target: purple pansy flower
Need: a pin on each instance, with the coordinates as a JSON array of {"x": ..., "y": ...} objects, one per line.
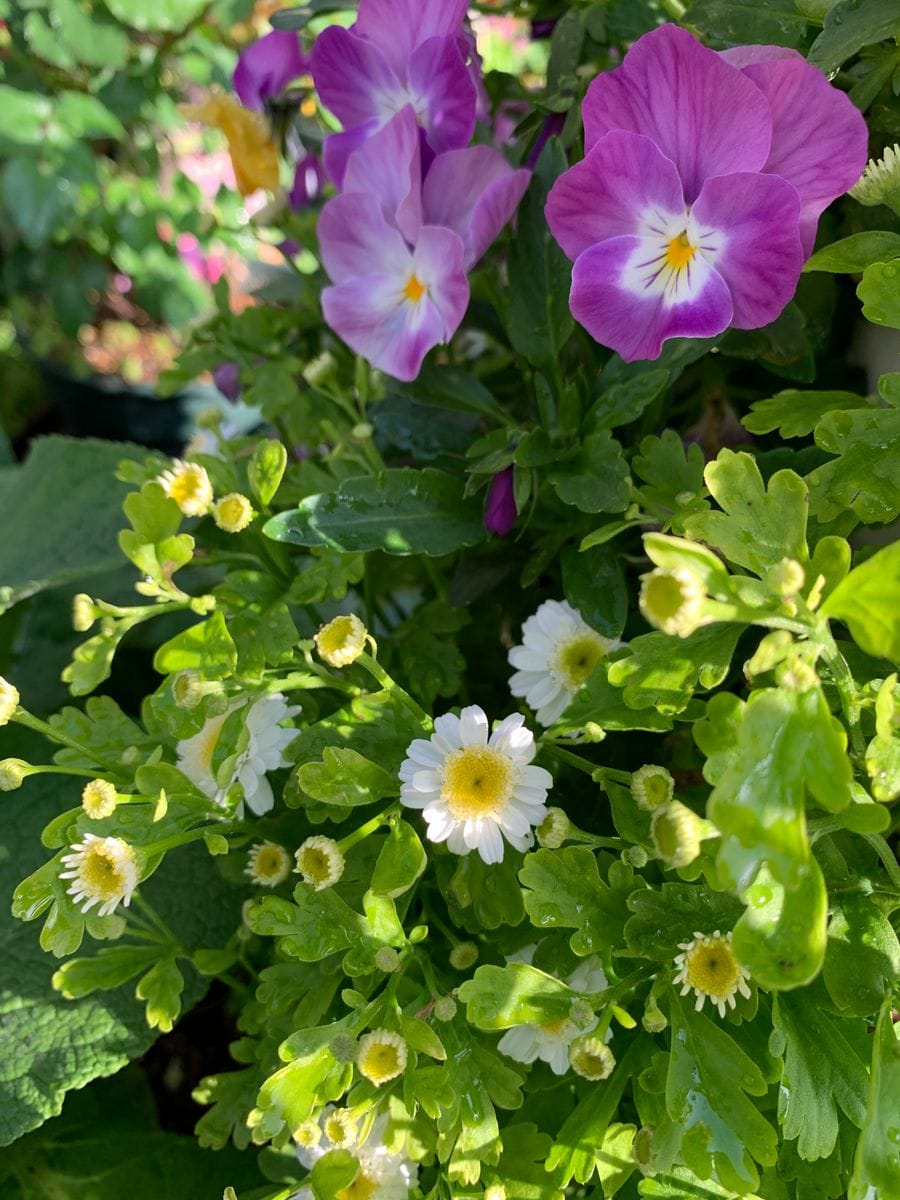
[
  {"x": 397, "y": 246},
  {"x": 266, "y": 68},
  {"x": 399, "y": 52},
  {"x": 500, "y": 513},
  {"x": 698, "y": 197},
  {"x": 309, "y": 180}
]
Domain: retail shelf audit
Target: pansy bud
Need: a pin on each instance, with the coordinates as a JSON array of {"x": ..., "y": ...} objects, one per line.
[{"x": 500, "y": 514}]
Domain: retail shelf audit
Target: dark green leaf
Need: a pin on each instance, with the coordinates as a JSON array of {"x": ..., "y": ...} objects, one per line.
[
  {"x": 879, "y": 291},
  {"x": 864, "y": 478},
  {"x": 868, "y": 599},
  {"x": 739, "y": 22},
  {"x": 877, "y": 1162},
  {"x": 855, "y": 253},
  {"x": 664, "y": 672},
  {"x": 863, "y": 956},
  {"x": 401, "y": 511},
  {"x": 850, "y": 25},
  {"x": 596, "y": 480},
  {"x": 795, "y": 414}
]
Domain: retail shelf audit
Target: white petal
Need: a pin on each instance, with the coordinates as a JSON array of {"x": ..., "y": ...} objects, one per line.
[
  {"x": 535, "y": 777},
  {"x": 526, "y": 659},
  {"x": 262, "y": 799},
  {"x": 490, "y": 843},
  {"x": 473, "y": 726},
  {"x": 426, "y": 754},
  {"x": 447, "y": 733},
  {"x": 426, "y": 781}
]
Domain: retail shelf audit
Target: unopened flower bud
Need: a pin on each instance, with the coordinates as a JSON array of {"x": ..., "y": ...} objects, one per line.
[
  {"x": 342, "y": 640},
  {"x": 673, "y": 601},
  {"x": 677, "y": 832},
  {"x": 189, "y": 688},
  {"x": 12, "y": 772},
  {"x": 786, "y": 577},
  {"x": 308, "y": 1135},
  {"x": 643, "y": 1150},
  {"x": 320, "y": 862},
  {"x": 381, "y": 1056},
  {"x": 463, "y": 955},
  {"x": 84, "y": 612},
  {"x": 796, "y": 675},
  {"x": 635, "y": 856},
  {"x": 99, "y": 799},
  {"x": 343, "y": 1047},
  {"x": 652, "y": 786},
  {"x": 880, "y": 181},
  {"x": 591, "y": 1058},
  {"x": 233, "y": 513},
  {"x": 9, "y": 700},
  {"x": 444, "y": 1008},
  {"x": 554, "y": 829},
  {"x": 387, "y": 959}
]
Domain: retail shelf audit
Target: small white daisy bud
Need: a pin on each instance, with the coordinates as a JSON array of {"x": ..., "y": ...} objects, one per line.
[
  {"x": 99, "y": 799},
  {"x": 444, "y": 1008},
  {"x": 189, "y": 486},
  {"x": 677, "y": 832},
  {"x": 13, "y": 771},
  {"x": 652, "y": 786},
  {"x": 233, "y": 513},
  {"x": 495, "y": 1192},
  {"x": 463, "y": 955},
  {"x": 9, "y": 700},
  {"x": 342, "y": 640},
  {"x": 786, "y": 577},
  {"x": 554, "y": 829},
  {"x": 387, "y": 959},
  {"x": 320, "y": 862},
  {"x": 643, "y": 1150},
  {"x": 84, "y": 612},
  {"x": 591, "y": 1058},
  {"x": 635, "y": 856},
  {"x": 880, "y": 181},
  {"x": 340, "y": 1129},
  {"x": 673, "y": 601},
  {"x": 103, "y": 871},
  {"x": 707, "y": 966},
  {"x": 189, "y": 688},
  {"x": 343, "y": 1047},
  {"x": 308, "y": 1135},
  {"x": 268, "y": 864},
  {"x": 381, "y": 1056}
]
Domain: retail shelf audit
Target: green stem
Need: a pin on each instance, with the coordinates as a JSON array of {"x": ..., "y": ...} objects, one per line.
[
  {"x": 566, "y": 756},
  {"x": 379, "y": 674},
  {"x": 844, "y": 682},
  {"x": 370, "y": 827},
  {"x": 887, "y": 856},
  {"x": 23, "y": 717}
]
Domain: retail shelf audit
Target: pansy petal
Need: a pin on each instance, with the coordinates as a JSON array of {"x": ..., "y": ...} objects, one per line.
[
  {"x": 438, "y": 264},
  {"x": 355, "y": 239},
  {"x": 742, "y": 56},
  {"x": 399, "y": 26},
  {"x": 819, "y": 137},
  {"x": 388, "y": 166},
  {"x": 440, "y": 81},
  {"x": 620, "y": 309},
  {"x": 338, "y": 147},
  {"x": 353, "y": 78},
  {"x": 267, "y": 67},
  {"x": 703, "y": 114},
  {"x": 475, "y": 192},
  {"x": 375, "y": 319},
  {"x": 761, "y": 258},
  {"x": 619, "y": 186}
]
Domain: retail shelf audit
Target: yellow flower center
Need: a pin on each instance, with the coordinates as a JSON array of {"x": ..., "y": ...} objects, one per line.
[
  {"x": 555, "y": 1027},
  {"x": 340, "y": 1130},
  {"x": 578, "y": 657},
  {"x": 101, "y": 874},
  {"x": 477, "y": 782},
  {"x": 337, "y": 635},
  {"x": 679, "y": 252},
  {"x": 414, "y": 289},
  {"x": 712, "y": 968},
  {"x": 270, "y": 860},
  {"x": 362, "y": 1188},
  {"x": 380, "y": 1062},
  {"x": 186, "y": 486},
  {"x": 315, "y": 865}
]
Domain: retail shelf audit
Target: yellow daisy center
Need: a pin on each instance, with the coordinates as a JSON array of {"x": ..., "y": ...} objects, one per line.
[
  {"x": 555, "y": 1027},
  {"x": 578, "y": 657},
  {"x": 712, "y": 968},
  {"x": 339, "y": 636},
  {"x": 679, "y": 251},
  {"x": 271, "y": 862},
  {"x": 380, "y": 1061},
  {"x": 188, "y": 485},
  {"x": 315, "y": 865},
  {"x": 101, "y": 874},
  {"x": 414, "y": 289},
  {"x": 477, "y": 782},
  {"x": 362, "y": 1188}
]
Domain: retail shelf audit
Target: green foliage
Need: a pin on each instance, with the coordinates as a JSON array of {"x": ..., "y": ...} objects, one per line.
[
  {"x": 665, "y": 672},
  {"x": 875, "y": 1165},
  {"x": 868, "y": 599}
]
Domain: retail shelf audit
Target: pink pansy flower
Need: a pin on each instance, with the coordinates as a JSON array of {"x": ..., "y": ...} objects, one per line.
[
  {"x": 397, "y": 247},
  {"x": 698, "y": 197},
  {"x": 398, "y": 53},
  {"x": 265, "y": 69}
]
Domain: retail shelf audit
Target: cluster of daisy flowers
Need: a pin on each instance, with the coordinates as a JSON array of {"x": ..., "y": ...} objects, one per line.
[{"x": 189, "y": 485}]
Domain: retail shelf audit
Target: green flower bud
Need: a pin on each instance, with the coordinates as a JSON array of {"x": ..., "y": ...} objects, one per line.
[
  {"x": 652, "y": 786},
  {"x": 677, "y": 832},
  {"x": 673, "y": 601},
  {"x": 9, "y": 701},
  {"x": 387, "y": 959},
  {"x": 444, "y": 1008},
  {"x": 463, "y": 955},
  {"x": 12, "y": 772},
  {"x": 554, "y": 829},
  {"x": 786, "y": 577}
]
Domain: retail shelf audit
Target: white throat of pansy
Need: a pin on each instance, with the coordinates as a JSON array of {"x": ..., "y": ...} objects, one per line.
[{"x": 673, "y": 258}]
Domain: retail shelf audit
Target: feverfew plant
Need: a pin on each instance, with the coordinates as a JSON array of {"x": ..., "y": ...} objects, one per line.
[{"x": 519, "y": 747}]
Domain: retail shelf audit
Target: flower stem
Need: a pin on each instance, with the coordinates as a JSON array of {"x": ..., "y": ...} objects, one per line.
[
  {"x": 377, "y": 671},
  {"x": 843, "y": 681},
  {"x": 23, "y": 717}
]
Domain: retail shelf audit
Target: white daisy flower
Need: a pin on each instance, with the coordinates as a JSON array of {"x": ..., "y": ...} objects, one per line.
[
  {"x": 707, "y": 966},
  {"x": 266, "y": 743},
  {"x": 383, "y": 1175},
  {"x": 268, "y": 864},
  {"x": 559, "y": 651},
  {"x": 475, "y": 787},
  {"x": 320, "y": 862},
  {"x": 103, "y": 871},
  {"x": 381, "y": 1056},
  {"x": 189, "y": 486},
  {"x": 550, "y": 1042}
]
